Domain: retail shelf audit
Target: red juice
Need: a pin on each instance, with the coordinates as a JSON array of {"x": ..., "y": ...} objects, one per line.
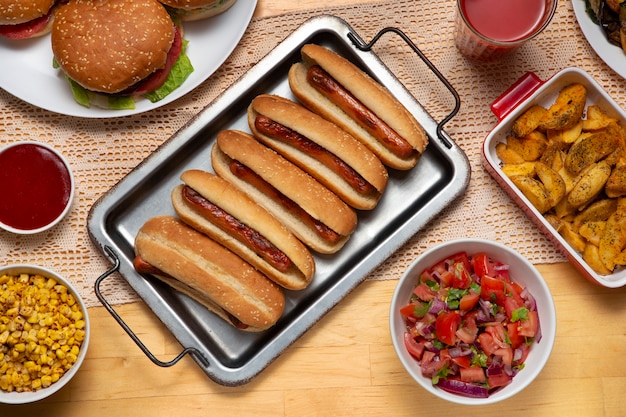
[
  {"x": 488, "y": 29},
  {"x": 505, "y": 20}
]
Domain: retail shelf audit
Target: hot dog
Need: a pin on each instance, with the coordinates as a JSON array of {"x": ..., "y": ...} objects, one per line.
[
  {"x": 199, "y": 267},
  {"x": 319, "y": 218},
  {"x": 339, "y": 91},
  {"x": 321, "y": 148},
  {"x": 218, "y": 209}
]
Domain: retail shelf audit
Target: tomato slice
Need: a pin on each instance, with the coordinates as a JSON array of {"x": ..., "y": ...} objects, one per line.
[
  {"x": 446, "y": 326},
  {"x": 500, "y": 380},
  {"x": 482, "y": 265},
  {"x": 27, "y": 29},
  {"x": 415, "y": 348},
  {"x": 423, "y": 292},
  {"x": 468, "y": 301},
  {"x": 529, "y": 326},
  {"x": 492, "y": 289},
  {"x": 473, "y": 374}
]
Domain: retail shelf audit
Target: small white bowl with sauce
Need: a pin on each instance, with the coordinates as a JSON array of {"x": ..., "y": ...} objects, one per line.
[{"x": 36, "y": 187}]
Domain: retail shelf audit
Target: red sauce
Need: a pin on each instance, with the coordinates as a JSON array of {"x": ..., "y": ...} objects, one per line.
[
  {"x": 505, "y": 20},
  {"x": 35, "y": 186}
]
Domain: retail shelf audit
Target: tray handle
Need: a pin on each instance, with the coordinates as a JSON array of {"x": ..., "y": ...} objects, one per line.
[
  {"x": 515, "y": 94},
  {"x": 109, "y": 251},
  {"x": 457, "y": 100}
]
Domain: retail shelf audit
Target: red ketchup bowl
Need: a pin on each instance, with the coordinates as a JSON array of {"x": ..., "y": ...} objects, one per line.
[{"x": 36, "y": 185}]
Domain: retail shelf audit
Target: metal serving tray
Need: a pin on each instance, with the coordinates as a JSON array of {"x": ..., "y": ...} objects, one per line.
[{"x": 412, "y": 199}]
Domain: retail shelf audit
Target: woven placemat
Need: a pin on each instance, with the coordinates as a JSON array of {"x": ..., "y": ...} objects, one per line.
[{"x": 101, "y": 152}]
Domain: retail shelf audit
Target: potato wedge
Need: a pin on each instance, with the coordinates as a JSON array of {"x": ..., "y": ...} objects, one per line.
[
  {"x": 590, "y": 184},
  {"x": 534, "y": 191},
  {"x": 508, "y": 155},
  {"x": 566, "y": 135},
  {"x": 613, "y": 239},
  {"x": 525, "y": 168},
  {"x": 592, "y": 231},
  {"x": 567, "y": 109},
  {"x": 572, "y": 237},
  {"x": 596, "y": 119},
  {"x": 616, "y": 184},
  {"x": 530, "y": 147},
  {"x": 591, "y": 255},
  {"x": 597, "y": 211},
  {"x": 592, "y": 148},
  {"x": 528, "y": 121},
  {"x": 552, "y": 181}
]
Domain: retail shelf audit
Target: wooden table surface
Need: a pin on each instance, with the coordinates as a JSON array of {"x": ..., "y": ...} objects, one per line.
[{"x": 345, "y": 365}]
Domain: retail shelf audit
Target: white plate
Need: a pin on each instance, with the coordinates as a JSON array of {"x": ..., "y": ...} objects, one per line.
[
  {"x": 26, "y": 70},
  {"x": 611, "y": 54}
]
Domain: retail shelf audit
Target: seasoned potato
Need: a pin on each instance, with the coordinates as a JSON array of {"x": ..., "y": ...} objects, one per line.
[
  {"x": 508, "y": 155},
  {"x": 591, "y": 255},
  {"x": 530, "y": 147},
  {"x": 597, "y": 211},
  {"x": 590, "y": 184},
  {"x": 525, "y": 168},
  {"x": 613, "y": 239},
  {"x": 567, "y": 110},
  {"x": 592, "y": 231},
  {"x": 552, "y": 181},
  {"x": 572, "y": 237},
  {"x": 534, "y": 191},
  {"x": 596, "y": 119},
  {"x": 616, "y": 184},
  {"x": 568, "y": 135},
  {"x": 528, "y": 121},
  {"x": 592, "y": 148}
]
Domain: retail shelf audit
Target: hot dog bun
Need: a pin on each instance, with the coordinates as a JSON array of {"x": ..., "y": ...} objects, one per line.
[
  {"x": 199, "y": 267},
  {"x": 367, "y": 91},
  {"x": 302, "y": 191},
  {"x": 294, "y": 273},
  {"x": 321, "y": 148}
]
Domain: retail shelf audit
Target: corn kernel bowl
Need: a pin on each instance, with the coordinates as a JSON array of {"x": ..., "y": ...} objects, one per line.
[{"x": 44, "y": 338}]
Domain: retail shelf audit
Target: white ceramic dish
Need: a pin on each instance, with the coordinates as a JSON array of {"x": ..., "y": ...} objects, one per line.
[
  {"x": 29, "y": 397},
  {"x": 27, "y": 73},
  {"x": 521, "y": 271},
  {"x": 35, "y": 182},
  {"x": 528, "y": 91},
  {"x": 611, "y": 54}
]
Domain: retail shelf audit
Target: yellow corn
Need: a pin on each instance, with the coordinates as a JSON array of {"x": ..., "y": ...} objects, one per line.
[{"x": 41, "y": 332}]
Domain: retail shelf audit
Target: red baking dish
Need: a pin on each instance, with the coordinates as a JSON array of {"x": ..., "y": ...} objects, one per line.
[{"x": 529, "y": 90}]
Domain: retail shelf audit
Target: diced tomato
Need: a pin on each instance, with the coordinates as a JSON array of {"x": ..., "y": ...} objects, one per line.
[
  {"x": 506, "y": 353},
  {"x": 487, "y": 343},
  {"x": 430, "y": 364},
  {"x": 446, "y": 326},
  {"x": 473, "y": 374},
  {"x": 482, "y": 265},
  {"x": 497, "y": 331},
  {"x": 511, "y": 304},
  {"x": 407, "y": 310},
  {"x": 461, "y": 258},
  {"x": 492, "y": 289},
  {"x": 468, "y": 301},
  {"x": 446, "y": 278},
  {"x": 498, "y": 380},
  {"x": 468, "y": 330},
  {"x": 415, "y": 348},
  {"x": 516, "y": 339},
  {"x": 462, "y": 361},
  {"x": 462, "y": 278},
  {"x": 529, "y": 327},
  {"x": 424, "y": 292}
]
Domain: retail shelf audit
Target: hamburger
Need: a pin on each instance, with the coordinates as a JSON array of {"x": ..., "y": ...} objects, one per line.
[
  {"x": 196, "y": 9},
  {"x": 113, "y": 51},
  {"x": 26, "y": 19}
]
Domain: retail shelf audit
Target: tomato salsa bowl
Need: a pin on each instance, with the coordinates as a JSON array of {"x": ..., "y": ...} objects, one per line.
[
  {"x": 36, "y": 185},
  {"x": 472, "y": 321}
]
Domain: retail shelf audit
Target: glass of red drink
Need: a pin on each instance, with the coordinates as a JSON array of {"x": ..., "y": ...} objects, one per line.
[{"x": 487, "y": 30}]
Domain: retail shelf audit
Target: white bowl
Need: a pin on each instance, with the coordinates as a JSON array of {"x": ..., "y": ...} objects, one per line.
[
  {"x": 38, "y": 190},
  {"x": 29, "y": 397},
  {"x": 521, "y": 271}
]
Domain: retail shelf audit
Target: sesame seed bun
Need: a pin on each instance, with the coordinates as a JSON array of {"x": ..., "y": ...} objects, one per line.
[
  {"x": 110, "y": 45},
  {"x": 188, "y": 10},
  {"x": 14, "y": 12}
]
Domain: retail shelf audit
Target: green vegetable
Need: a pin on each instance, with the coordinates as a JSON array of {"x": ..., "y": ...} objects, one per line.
[
  {"x": 520, "y": 314},
  {"x": 181, "y": 69}
]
